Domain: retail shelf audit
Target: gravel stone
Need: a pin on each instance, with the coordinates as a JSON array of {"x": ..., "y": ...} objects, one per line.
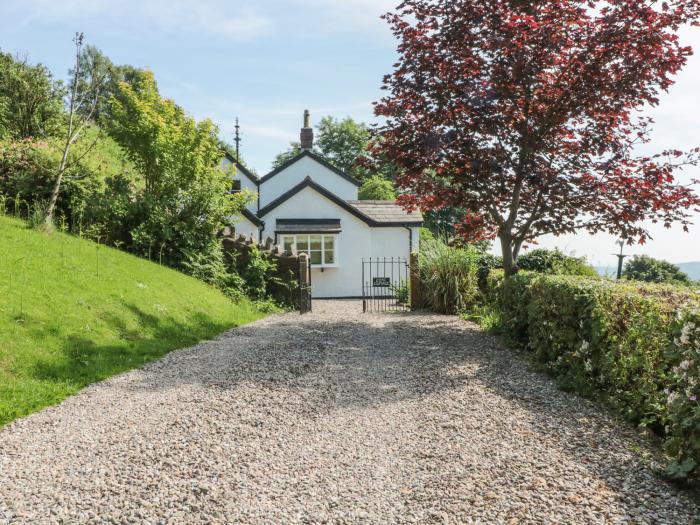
[{"x": 333, "y": 417}]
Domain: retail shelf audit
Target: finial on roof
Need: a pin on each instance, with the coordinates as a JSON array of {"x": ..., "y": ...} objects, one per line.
[
  {"x": 307, "y": 133},
  {"x": 237, "y": 140}
]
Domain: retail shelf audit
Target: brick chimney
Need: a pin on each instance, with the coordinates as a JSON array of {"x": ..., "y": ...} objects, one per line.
[{"x": 307, "y": 133}]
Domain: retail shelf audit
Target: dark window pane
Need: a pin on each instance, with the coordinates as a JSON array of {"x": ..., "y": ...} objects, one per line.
[{"x": 315, "y": 257}]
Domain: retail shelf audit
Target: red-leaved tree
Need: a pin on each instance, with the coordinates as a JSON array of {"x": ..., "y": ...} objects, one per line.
[{"x": 527, "y": 115}]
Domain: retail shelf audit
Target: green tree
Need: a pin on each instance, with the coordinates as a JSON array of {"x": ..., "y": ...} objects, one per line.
[
  {"x": 343, "y": 143},
  {"x": 30, "y": 100},
  {"x": 94, "y": 60},
  {"x": 82, "y": 100},
  {"x": 648, "y": 269},
  {"x": 185, "y": 200},
  {"x": 377, "y": 188},
  {"x": 293, "y": 150}
]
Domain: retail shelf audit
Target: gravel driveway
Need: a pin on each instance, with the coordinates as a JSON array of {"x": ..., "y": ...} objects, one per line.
[{"x": 334, "y": 417}]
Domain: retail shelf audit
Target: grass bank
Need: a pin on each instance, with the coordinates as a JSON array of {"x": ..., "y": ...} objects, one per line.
[{"x": 73, "y": 312}]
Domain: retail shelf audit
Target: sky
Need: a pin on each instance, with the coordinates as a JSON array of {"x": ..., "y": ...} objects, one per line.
[{"x": 266, "y": 61}]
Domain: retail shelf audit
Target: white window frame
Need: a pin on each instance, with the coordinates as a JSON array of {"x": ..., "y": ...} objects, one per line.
[{"x": 296, "y": 236}]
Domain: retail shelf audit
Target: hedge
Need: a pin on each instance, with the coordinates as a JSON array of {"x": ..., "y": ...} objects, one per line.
[{"x": 637, "y": 346}]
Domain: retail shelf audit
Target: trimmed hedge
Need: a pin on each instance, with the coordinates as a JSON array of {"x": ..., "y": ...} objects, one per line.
[{"x": 635, "y": 345}]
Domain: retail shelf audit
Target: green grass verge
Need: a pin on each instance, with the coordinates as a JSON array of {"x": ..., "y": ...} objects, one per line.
[{"x": 73, "y": 313}]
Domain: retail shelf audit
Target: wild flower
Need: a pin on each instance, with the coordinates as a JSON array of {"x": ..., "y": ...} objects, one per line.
[{"x": 672, "y": 397}]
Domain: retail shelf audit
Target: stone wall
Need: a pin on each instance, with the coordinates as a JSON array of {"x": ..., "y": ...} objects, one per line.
[{"x": 284, "y": 281}]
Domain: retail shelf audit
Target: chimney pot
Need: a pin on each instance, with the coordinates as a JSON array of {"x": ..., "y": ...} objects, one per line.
[{"x": 307, "y": 133}]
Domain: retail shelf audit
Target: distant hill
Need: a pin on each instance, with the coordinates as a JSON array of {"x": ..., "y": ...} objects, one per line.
[{"x": 690, "y": 268}]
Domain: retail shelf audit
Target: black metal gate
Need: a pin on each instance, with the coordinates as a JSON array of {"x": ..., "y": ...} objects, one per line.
[
  {"x": 304, "y": 284},
  {"x": 385, "y": 284}
]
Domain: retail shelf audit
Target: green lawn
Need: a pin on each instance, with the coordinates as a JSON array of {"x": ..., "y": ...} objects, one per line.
[{"x": 72, "y": 313}]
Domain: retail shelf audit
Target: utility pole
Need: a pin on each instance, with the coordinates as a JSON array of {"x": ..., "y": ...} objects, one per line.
[
  {"x": 237, "y": 140},
  {"x": 620, "y": 258}
]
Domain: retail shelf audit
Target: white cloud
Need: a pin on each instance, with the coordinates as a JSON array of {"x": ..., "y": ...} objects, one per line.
[{"x": 210, "y": 18}]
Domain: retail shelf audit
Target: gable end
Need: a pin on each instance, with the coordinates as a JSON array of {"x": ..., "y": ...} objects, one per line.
[
  {"x": 308, "y": 183},
  {"x": 323, "y": 162}
]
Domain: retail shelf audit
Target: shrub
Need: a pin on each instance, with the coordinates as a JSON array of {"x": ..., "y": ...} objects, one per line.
[
  {"x": 648, "y": 269},
  {"x": 555, "y": 262},
  {"x": 486, "y": 263},
  {"x": 635, "y": 346},
  {"x": 449, "y": 279},
  {"x": 682, "y": 394}
]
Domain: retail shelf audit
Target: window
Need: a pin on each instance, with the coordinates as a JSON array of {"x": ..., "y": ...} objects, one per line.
[
  {"x": 236, "y": 186},
  {"x": 321, "y": 248}
]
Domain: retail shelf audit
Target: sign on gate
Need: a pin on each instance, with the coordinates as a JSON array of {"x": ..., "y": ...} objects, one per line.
[
  {"x": 385, "y": 284},
  {"x": 381, "y": 282}
]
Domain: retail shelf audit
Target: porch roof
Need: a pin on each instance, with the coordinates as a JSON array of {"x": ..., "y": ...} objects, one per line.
[{"x": 308, "y": 226}]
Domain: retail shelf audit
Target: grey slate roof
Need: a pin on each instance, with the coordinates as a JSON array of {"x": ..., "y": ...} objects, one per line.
[
  {"x": 386, "y": 212},
  {"x": 308, "y": 226}
]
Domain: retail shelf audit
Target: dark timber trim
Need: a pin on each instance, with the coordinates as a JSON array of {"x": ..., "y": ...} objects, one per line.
[
  {"x": 252, "y": 217},
  {"x": 308, "y": 183},
  {"x": 240, "y": 167}
]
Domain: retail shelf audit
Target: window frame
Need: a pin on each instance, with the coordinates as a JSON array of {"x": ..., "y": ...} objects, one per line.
[{"x": 296, "y": 236}]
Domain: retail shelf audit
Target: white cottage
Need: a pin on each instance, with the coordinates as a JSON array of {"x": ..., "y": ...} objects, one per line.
[{"x": 312, "y": 205}]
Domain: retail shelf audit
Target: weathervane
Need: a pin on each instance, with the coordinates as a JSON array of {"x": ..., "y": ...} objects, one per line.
[{"x": 237, "y": 140}]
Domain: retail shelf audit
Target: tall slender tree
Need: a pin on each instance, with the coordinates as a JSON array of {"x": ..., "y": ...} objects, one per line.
[
  {"x": 82, "y": 100},
  {"x": 527, "y": 115}
]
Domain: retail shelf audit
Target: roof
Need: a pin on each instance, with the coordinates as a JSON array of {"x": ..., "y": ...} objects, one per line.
[
  {"x": 241, "y": 168},
  {"x": 315, "y": 157},
  {"x": 386, "y": 211},
  {"x": 252, "y": 217},
  {"x": 382, "y": 219},
  {"x": 308, "y": 226}
]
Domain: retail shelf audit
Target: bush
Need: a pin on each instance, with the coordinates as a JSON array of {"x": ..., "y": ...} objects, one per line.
[
  {"x": 486, "y": 263},
  {"x": 648, "y": 269},
  {"x": 555, "y": 262},
  {"x": 449, "y": 277},
  {"x": 635, "y": 346}
]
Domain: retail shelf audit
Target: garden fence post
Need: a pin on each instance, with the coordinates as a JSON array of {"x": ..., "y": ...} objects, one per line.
[{"x": 415, "y": 282}]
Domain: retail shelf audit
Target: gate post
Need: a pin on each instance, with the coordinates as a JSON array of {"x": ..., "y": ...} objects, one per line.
[
  {"x": 304, "y": 283},
  {"x": 415, "y": 282}
]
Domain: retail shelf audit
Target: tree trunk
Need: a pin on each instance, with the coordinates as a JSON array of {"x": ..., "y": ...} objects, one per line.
[
  {"x": 70, "y": 135},
  {"x": 56, "y": 187},
  {"x": 507, "y": 248}
]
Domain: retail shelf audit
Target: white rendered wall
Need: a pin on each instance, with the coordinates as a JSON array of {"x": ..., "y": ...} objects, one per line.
[
  {"x": 246, "y": 183},
  {"x": 355, "y": 241},
  {"x": 244, "y": 227},
  {"x": 297, "y": 172}
]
